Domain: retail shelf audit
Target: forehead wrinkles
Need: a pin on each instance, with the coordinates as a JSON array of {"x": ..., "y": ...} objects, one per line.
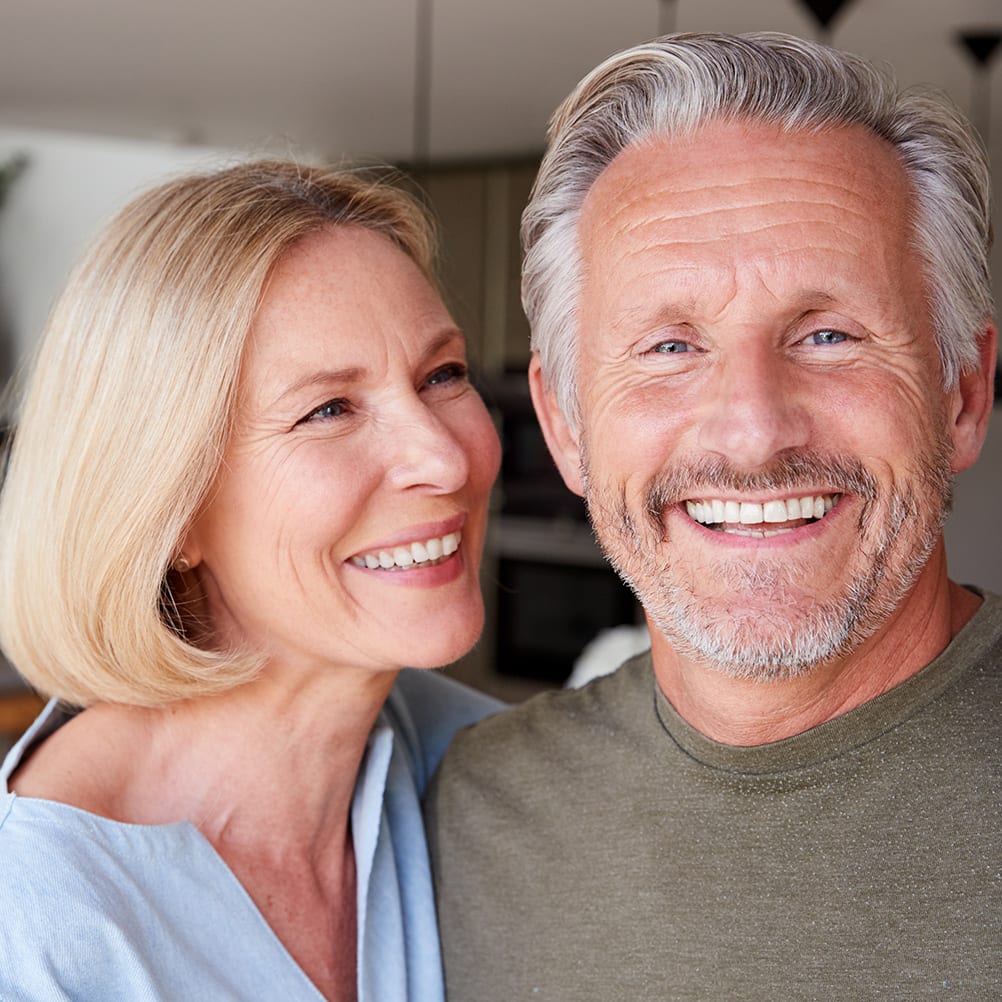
[
  {"x": 771, "y": 217},
  {"x": 730, "y": 178},
  {"x": 710, "y": 214}
]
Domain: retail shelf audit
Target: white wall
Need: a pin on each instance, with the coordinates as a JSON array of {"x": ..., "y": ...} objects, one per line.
[{"x": 72, "y": 184}]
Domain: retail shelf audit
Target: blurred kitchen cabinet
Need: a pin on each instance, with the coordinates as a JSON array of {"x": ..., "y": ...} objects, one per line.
[{"x": 479, "y": 209}]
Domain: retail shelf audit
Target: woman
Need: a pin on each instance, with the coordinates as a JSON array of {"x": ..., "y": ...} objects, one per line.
[{"x": 250, "y": 481}]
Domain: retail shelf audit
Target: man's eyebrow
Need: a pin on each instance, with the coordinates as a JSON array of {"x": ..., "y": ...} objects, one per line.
[
  {"x": 679, "y": 310},
  {"x": 646, "y": 314},
  {"x": 814, "y": 299}
]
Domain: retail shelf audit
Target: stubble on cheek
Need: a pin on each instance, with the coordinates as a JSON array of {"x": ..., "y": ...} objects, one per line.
[{"x": 701, "y": 609}]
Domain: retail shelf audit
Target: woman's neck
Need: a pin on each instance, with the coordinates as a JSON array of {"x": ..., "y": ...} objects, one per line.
[
  {"x": 266, "y": 772},
  {"x": 283, "y": 750}
]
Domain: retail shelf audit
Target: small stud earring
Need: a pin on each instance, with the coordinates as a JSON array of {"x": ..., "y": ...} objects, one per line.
[{"x": 181, "y": 565}]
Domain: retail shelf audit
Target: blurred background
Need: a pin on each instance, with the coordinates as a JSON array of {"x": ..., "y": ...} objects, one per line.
[{"x": 100, "y": 100}]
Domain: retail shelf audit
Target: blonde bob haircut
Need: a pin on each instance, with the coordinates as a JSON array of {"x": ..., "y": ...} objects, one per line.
[{"x": 126, "y": 414}]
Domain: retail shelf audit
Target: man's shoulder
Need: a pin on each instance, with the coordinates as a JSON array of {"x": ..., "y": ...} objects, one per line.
[
  {"x": 425, "y": 709},
  {"x": 974, "y": 657},
  {"x": 565, "y": 724},
  {"x": 965, "y": 682}
]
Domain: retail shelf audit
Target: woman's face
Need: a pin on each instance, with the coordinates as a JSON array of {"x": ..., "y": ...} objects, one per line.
[{"x": 346, "y": 525}]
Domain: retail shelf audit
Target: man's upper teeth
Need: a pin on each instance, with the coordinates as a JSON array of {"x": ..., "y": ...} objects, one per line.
[
  {"x": 754, "y": 513},
  {"x": 424, "y": 552}
]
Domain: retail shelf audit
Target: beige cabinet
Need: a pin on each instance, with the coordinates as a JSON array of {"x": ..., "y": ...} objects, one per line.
[{"x": 479, "y": 209}]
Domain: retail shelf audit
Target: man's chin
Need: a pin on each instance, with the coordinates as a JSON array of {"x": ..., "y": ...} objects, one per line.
[{"x": 760, "y": 648}]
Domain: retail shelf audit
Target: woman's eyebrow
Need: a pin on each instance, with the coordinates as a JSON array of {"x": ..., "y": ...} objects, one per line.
[
  {"x": 356, "y": 373},
  {"x": 324, "y": 377}
]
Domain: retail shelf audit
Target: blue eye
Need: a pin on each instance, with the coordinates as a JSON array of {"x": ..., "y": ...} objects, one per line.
[
  {"x": 331, "y": 409},
  {"x": 827, "y": 337},
  {"x": 447, "y": 374},
  {"x": 671, "y": 347}
]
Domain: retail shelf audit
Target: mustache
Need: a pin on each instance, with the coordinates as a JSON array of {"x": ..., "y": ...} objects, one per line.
[{"x": 788, "y": 473}]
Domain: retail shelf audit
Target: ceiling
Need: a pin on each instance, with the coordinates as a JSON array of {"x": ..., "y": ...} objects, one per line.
[{"x": 339, "y": 78}]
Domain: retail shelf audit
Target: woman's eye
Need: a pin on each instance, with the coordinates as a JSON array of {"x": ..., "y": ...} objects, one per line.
[
  {"x": 331, "y": 409},
  {"x": 447, "y": 374},
  {"x": 826, "y": 337}
]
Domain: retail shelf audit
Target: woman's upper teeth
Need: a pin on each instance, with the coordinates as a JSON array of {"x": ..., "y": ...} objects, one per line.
[
  {"x": 401, "y": 557},
  {"x": 713, "y": 511}
]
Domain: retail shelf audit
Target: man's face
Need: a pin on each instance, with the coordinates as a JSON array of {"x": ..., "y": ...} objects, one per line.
[{"x": 765, "y": 446}]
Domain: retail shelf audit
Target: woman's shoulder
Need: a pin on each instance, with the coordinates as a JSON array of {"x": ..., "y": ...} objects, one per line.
[
  {"x": 58, "y": 929},
  {"x": 426, "y": 708},
  {"x": 73, "y": 758},
  {"x": 63, "y": 868},
  {"x": 106, "y": 909}
]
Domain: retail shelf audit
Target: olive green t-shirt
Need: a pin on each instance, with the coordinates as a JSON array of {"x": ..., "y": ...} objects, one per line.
[{"x": 591, "y": 845}]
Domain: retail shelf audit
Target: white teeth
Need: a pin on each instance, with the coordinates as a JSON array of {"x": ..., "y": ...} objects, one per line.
[
  {"x": 775, "y": 511},
  {"x": 748, "y": 513},
  {"x": 427, "y": 551}
]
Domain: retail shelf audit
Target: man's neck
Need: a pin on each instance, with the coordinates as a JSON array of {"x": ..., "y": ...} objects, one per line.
[{"x": 746, "y": 712}]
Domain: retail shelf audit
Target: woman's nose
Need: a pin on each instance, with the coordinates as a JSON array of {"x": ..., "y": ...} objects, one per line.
[
  {"x": 426, "y": 452},
  {"x": 754, "y": 409}
]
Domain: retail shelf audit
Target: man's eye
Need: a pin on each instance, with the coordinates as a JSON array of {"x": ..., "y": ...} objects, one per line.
[
  {"x": 671, "y": 347},
  {"x": 447, "y": 374},
  {"x": 331, "y": 409},
  {"x": 826, "y": 337}
]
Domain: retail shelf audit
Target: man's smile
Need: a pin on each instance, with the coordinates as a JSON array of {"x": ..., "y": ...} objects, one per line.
[{"x": 749, "y": 518}]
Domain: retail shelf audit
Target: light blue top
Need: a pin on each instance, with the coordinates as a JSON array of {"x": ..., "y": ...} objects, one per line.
[{"x": 99, "y": 911}]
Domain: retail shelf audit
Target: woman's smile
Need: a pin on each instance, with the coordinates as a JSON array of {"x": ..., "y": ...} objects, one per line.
[{"x": 363, "y": 455}]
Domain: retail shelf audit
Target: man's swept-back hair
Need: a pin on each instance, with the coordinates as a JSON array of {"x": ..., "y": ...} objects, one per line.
[
  {"x": 126, "y": 415},
  {"x": 673, "y": 85}
]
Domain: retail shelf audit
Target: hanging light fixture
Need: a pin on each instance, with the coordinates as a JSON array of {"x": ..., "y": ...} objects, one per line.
[
  {"x": 981, "y": 45},
  {"x": 824, "y": 12}
]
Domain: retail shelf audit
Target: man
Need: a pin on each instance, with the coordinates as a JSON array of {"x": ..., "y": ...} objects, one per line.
[{"x": 758, "y": 285}]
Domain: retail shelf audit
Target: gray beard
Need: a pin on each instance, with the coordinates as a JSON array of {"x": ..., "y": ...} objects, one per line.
[{"x": 897, "y": 534}]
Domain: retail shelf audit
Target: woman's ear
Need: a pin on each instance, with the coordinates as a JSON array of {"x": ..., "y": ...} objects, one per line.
[
  {"x": 971, "y": 404},
  {"x": 562, "y": 441},
  {"x": 189, "y": 554}
]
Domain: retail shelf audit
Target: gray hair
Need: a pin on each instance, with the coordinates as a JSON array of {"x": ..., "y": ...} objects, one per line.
[{"x": 673, "y": 85}]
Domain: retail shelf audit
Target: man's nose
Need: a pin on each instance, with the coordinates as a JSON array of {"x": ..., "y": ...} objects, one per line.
[
  {"x": 754, "y": 408},
  {"x": 424, "y": 451}
]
